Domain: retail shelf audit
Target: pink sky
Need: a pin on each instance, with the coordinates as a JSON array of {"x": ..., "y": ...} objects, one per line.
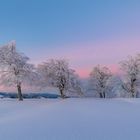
[{"x": 84, "y": 56}]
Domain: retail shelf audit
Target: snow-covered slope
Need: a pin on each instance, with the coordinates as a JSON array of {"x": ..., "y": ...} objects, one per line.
[{"x": 70, "y": 119}]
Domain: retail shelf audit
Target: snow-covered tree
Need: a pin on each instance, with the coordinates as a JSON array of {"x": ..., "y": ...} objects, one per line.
[
  {"x": 114, "y": 87},
  {"x": 56, "y": 73},
  {"x": 14, "y": 69},
  {"x": 99, "y": 79},
  {"x": 131, "y": 81},
  {"x": 76, "y": 85}
]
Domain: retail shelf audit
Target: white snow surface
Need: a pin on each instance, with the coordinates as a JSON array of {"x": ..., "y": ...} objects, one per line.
[{"x": 70, "y": 119}]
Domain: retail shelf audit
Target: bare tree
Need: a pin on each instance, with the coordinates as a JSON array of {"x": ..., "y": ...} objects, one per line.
[
  {"x": 99, "y": 79},
  {"x": 14, "y": 68},
  {"x": 56, "y": 73},
  {"x": 131, "y": 68}
]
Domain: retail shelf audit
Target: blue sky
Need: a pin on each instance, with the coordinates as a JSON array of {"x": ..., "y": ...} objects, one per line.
[{"x": 58, "y": 28}]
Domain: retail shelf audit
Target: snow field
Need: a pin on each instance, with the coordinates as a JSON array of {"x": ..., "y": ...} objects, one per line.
[{"x": 70, "y": 119}]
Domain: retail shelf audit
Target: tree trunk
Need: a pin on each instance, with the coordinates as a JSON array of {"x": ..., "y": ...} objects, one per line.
[
  {"x": 62, "y": 93},
  {"x": 20, "y": 97},
  {"x": 133, "y": 94},
  {"x": 101, "y": 96},
  {"x": 133, "y": 90}
]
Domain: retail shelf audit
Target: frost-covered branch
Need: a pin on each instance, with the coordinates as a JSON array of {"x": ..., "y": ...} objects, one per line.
[{"x": 14, "y": 68}]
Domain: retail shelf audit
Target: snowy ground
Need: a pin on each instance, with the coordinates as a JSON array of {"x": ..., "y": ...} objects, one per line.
[{"x": 70, "y": 119}]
